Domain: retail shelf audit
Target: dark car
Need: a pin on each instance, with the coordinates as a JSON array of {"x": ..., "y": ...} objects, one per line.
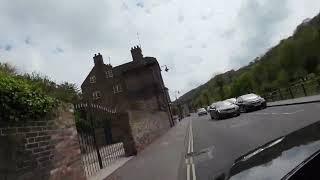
[
  {"x": 291, "y": 157},
  {"x": 223, "y": 109},
  {"x": 202, "y": 111},
  {"x": 250, "y": 102}
]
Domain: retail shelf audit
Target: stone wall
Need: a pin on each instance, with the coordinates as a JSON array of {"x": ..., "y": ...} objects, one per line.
[
  {"x": 121, "y": 132},
  {"x": 146, "y": 126},
  {"x": 42, "y": 149}
]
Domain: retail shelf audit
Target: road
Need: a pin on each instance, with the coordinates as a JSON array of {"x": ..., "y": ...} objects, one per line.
[{"x": 223, "y": 141}]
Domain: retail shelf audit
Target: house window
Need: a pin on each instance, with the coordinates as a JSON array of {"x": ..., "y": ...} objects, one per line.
[
  {"x": 93, "y": 79},
  {"x": 109, "y": 74},
  {"x": 96, "y": 94},
  {"x": 117, "y": 89}
]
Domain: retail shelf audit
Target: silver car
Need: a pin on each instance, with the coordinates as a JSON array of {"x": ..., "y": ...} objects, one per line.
[
  {"x": 223, "y": 109},
  {"x": 202, "y": 111},
  {"x": 250, "y": 102},
  {"x": 231, "y": 100}
]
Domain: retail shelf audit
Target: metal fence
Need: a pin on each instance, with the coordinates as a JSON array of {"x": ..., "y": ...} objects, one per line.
[
  {"x": 93, "y": 124},
  {"x": 307, "y": 88}
]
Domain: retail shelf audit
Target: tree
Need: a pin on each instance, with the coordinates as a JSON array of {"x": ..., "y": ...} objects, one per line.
[
  {"x": 311, "y": 64},
  {"x": 282, "y": 79},
  {"x": 220, "y": 83}
]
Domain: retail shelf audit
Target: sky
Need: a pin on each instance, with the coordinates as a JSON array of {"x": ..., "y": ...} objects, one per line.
[{"x": 194, "y": 39}]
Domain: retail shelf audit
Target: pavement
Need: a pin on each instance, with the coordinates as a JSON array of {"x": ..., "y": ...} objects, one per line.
[
  {"x": 160, "y": 160},
  {"x": 302, "y": 100}
]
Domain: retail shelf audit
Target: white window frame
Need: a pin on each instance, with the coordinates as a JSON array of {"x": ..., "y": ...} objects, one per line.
[
  {"x": 109, "y": 74},
  {"x": 93, "y": 79},
  {"x": 117, "y": 88},
  {"x": 96, "y": 95}
]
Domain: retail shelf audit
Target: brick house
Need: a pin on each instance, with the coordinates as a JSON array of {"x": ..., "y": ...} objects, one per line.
[{"x": 133, "y": 86}]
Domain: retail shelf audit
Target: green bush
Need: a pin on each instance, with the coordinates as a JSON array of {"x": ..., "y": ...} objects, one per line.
[{"x": 21, "y": 100}]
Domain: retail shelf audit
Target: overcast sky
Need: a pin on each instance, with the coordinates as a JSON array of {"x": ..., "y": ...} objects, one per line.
[{"x": 195, "y": 39}]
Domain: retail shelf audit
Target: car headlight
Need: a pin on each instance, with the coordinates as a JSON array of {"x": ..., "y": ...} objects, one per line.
[{"x": 218, "y": 110}]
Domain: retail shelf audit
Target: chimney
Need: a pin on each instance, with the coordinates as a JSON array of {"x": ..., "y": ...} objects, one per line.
[
  {"x": 98, "y": 60},
  {"x": 136, "y": 53}
]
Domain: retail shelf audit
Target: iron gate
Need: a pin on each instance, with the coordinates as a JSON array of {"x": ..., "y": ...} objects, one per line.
[{"x": 98, "y": 149}]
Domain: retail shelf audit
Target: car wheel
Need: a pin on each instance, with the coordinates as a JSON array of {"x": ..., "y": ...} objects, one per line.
[
  {"x": 243, "y": 109},
  {"x": 218, "y": 117}
]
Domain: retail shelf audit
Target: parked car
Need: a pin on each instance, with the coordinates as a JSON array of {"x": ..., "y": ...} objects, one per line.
[
  {"x": 250, "y": 102},
  {"x": 290, "y": 157},
  {"x": 202, "y": 111},
  {"x": 208, "y": 108},
  {"x": 232, "y": 100},
  {"x": 223, "y": 109}
]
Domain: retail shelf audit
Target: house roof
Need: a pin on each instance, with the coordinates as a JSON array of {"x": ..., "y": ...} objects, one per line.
[
  {"x": 134, "y": 65},
  {"x": 118, "y": 70}
]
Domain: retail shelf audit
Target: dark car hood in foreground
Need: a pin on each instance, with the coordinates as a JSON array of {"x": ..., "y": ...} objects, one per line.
[{"x": 277, "y": 158}]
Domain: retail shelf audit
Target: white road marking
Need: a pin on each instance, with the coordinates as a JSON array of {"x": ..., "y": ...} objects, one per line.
[
  {"x": 301, "y": 110},
  {"x": 191, "y": 138},
  {"x": 189, "y": 149},
  {"x": 193, "y": 172},
  {"x": 188, "y": 171},
  {"x": 283, "y": 113},
  {"x": 239, "y": 124},
  {"x": 189, "y": 161}
]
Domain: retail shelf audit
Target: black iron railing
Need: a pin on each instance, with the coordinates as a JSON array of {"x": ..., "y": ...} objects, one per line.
[
  {"x": 93, "y": 124},
  {"x": 307, "y": 88}
]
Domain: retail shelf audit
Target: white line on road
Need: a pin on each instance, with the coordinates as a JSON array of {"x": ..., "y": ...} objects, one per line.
[
  {"x": 189, "y": 161},
  {"x": 283, "y": 113},
  {"x": 188, "y": 171},
  {"x": 191, "y": 137},
  {"x": 301, "y": 110},
  {"x": 193, "y": 172}
]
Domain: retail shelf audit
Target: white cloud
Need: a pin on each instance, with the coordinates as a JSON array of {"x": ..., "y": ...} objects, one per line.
[{"x": 195, "y": 40}]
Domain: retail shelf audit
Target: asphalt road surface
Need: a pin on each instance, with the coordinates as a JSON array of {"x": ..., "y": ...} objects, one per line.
[{"x": 216, "y": 144}]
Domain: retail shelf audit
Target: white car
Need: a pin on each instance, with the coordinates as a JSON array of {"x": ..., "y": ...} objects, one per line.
[
  {"x": 231, "y": 100},
  {"x": 202, "y": 111}
]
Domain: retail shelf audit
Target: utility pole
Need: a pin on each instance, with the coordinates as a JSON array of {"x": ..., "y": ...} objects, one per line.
[{"x": 178, "y": 106}]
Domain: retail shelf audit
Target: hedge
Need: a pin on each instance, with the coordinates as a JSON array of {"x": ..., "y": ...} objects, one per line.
[{"x": 21, "y": 100}]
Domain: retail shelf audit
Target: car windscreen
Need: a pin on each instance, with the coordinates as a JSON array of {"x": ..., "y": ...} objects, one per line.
[
  {"x": 222, "y": 104},
  {"x": 201, "y": 110},
  {"x": 231, "y": 100},
  {"x": 249, "y": 96}
]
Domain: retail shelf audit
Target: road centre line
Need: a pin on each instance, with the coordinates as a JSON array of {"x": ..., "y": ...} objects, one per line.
[
  {"x": 283, "y": 113},
  {"x": 188, "y": 171},
  {"x": 193, "y": 172},
  {"x": 189, "y": 161}
]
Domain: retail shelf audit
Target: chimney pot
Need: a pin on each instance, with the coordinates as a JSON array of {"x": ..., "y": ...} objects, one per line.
[
  {"x": 98, "y": 60},
  {"x": 136, "y": 53}
]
